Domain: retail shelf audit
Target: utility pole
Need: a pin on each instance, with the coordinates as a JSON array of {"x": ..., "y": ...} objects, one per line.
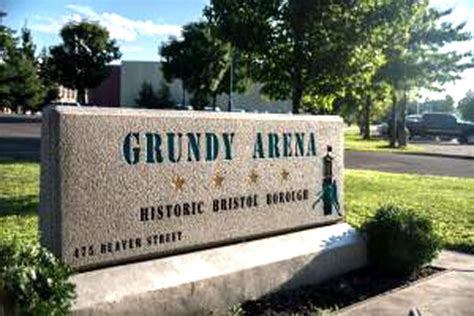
[{"x": 231, "y": 83}]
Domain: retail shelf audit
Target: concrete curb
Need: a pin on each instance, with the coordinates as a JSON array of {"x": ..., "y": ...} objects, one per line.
[
  {"x": 421, "y": 153},
  {"x": 440, "y": 155}
]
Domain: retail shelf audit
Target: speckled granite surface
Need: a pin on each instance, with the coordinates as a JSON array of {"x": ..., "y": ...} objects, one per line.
[{"x": 119, "y": 185}]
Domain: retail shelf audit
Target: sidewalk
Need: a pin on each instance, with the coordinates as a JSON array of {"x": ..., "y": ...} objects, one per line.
[{"x": 450, "y": 293}]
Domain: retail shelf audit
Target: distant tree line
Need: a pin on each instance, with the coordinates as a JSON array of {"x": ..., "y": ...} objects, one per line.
[
  {"x": 440, "y": 105},
  {"x": 466, "y": 106}
]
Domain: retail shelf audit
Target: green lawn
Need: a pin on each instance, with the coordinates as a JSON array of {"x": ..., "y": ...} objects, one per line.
[
  {"x": 448, "y": 201},
  {"x": 19, "y": 188},
  {"x": 353, "y": 141}
]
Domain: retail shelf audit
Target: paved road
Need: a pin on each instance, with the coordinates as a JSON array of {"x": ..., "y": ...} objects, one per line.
[
  {"x": 20, "y": 139},
  {"x": 402, "y": 163}
]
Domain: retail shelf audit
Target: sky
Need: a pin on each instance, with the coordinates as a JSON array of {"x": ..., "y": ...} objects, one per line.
[{"x": 141, "y": 26}]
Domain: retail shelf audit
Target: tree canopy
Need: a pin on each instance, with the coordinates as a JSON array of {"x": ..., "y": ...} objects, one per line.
[
  {"x": 80, "y": 62},
  {"x": 20, "y": 84},
  {"x": 202, "y": 62},
  {"x": 148, "y": 98},
  {"x": 298, "y": 48},
  {"x": 338, "y": 55}
]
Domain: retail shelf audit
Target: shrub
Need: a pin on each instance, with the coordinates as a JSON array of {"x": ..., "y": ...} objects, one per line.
[
  {"x": 34, "y": 280},
  {"x": 399, "y": 241}
]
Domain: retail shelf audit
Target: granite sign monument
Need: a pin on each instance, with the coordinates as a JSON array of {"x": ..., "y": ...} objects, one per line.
[{"x": 120, "y": 185}]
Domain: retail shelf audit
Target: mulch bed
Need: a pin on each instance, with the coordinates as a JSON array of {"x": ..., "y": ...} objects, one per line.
[{"x": 333, "y": 294}]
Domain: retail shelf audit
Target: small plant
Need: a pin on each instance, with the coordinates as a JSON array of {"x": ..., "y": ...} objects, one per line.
[
  {"x": 236, "y": 310},
  {"x": 399, "y": 241},
  {"x": 34, "y": 280}
]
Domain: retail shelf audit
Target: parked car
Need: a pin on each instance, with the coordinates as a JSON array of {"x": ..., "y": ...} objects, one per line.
[
  {"x": 381, "y": 129},
  {"x": 444, "y": 125}
]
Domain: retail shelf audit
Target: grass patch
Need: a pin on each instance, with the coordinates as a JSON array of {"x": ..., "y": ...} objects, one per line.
[
  {"x": 353, "y": 141},
  {"x": 19, "y": 188},
  {"x": 449, "y": 201}
]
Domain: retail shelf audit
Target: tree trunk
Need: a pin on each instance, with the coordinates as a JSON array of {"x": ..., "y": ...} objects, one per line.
[
  {"x": 361, "y": 127},
  {"x": 297, "y": 89},
  {"x": 298, "y": 21},
  {"x": 402, "y": 133},
  {"x": 366, "y": 121},
  {"x": 393, "y": 125},
  {"x": 81, "y": 96},
  {"x": 8, "y": 304},
  {"x": 360, "y": 123},
  {"x": 297, "y": 97}
]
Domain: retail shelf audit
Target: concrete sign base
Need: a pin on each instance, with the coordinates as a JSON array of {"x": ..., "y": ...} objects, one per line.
[{"x": 214, "y": 279}]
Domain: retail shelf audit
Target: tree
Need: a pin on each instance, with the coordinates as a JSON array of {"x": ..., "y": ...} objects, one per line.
[
  {"x": 147, "y": 97},
  {"x": 46, "y": 74},
  {"x": 299, "y": 48},
  {"x": 26, "y": 89},
  {"x": 164, "y": 96},
  {"x": 415, "y": 60},
  {"x": 8, "y": 45},
  {"x": 20, "y": 83},
  {"x": 200, "y": 60},
  {"x": 466, "y": 106},
  {"x": 175, "y": 64},
  {"x": 80, "y": 62},
  {"x": 27, "y": 46},
  {"x": 239, "y": 81}
]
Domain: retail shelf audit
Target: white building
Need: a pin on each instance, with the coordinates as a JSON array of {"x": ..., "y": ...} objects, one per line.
[{"x": 134, "y": 73}]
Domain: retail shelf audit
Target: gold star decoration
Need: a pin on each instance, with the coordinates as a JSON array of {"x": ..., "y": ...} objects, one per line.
[
  {"x": 218, "y": 180},
  {"x": 178, "y": 183},
  {"x": 284, "y": 174},
  {"x": 253, "y": 177}
]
